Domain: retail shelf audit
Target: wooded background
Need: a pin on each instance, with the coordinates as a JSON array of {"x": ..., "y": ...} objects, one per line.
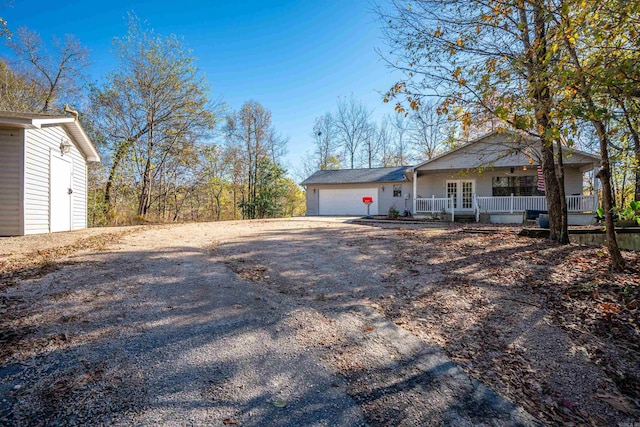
[{"x": 563, "y": 71}]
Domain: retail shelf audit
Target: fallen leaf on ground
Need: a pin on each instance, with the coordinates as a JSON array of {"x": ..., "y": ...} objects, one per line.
[
  {"x": 618, "y": 402},
  {"x": 279, "y": 403}
]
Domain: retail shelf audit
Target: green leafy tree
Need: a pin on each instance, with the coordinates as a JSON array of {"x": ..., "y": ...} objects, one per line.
[
  {"x": 598, "y": 42},
  {"x": 256, "y": 145},
  {"x": 16, "y": 93},
  {"x": 270, "y": 189},
  {"x": 152, "y": 109}
]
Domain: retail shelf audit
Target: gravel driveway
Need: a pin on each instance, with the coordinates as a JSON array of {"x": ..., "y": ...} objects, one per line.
[{"x": 251, "y": 323}]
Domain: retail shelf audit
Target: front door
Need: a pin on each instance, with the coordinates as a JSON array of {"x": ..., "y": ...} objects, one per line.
[
  {"x": 60, "y": 194},
  {"x": 462, "y": 192}
]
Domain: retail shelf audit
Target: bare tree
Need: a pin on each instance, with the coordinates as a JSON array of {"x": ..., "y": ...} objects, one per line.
[
  {"x": 426, "y": 128},
  {"x": 352, "y": 126},
  {"x": 371, "y": 146},
  {"x": 402, "y": 145},
  {"x": 56, "y": 75},
  {"x": 324, "y": 139},
  {"x": 385, "y": 136}
]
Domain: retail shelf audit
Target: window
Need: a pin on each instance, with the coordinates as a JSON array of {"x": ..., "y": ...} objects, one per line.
[
  {"x": 397, "y": 190},
  {"x": 526, "y": 185}
]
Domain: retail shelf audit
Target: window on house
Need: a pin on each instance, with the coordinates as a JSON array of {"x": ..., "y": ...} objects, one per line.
[
  {"x": 397, "y": 190},
  {"x": 526, "y": 185}
]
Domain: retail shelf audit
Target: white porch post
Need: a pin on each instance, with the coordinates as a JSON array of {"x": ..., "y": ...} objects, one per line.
[
  {"x": 511, "y": 204},
  {"x": 476, "y": 207},
  {"x": 596, "y": 188},
  {"x": 453, "y": 213},
  {"x": 415, "y": 187}
]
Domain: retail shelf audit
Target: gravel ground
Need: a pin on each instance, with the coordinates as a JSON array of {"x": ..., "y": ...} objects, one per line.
[{"x": 251, "y": 323}]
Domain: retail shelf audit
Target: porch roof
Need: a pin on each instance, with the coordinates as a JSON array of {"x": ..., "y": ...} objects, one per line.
[{"x": 501, "y": 149}]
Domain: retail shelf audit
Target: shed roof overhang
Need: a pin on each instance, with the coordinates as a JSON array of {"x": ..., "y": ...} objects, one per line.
[{"x": 39, "y": 121}]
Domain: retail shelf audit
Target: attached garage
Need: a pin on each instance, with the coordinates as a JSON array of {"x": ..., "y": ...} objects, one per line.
[
  {"x": 346, "y": 201},
  {"x": 340, "y": 192},
  {"x": 43, "y": 173}
]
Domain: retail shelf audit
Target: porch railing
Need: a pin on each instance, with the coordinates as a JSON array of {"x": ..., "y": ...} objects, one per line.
[
  {"x": 509, "y": 204},
  {"x": 581, "y": 203},
  {"x": 433, "y": 205}
]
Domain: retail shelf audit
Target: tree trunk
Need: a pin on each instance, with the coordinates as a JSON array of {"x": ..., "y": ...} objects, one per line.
[
  {"x": 145, "y": 193},
  {"x": 563, "y": 237},
  {"x": 541, "y": 94},
  {"x": 117, "y": 158},
  {"x": 552, "y": 192},
  {"x": 617, "y": 261}
]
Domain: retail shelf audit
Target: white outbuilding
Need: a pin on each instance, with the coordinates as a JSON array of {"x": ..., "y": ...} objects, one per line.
[{"x": 43, "y": 173}]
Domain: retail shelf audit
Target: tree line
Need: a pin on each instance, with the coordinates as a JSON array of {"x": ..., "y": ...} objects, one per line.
[
  {"x": 552, "y": 69},
  {"x": 349, "y": 137},
  {"x": 170, "y": 152}
]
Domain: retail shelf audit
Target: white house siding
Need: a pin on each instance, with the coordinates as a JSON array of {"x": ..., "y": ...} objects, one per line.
[
  {"x": 80, "y": 186},
  {"x": 313, "y": 201},
  {"x": 434, "y": 184},
  {"x": 386, "y": 200},
  {"x": 40, "y": 145},
  {"x": 573, "y": 181},
  {"x": 493, "y": 152},
  {"x": 11, "y": 153}
]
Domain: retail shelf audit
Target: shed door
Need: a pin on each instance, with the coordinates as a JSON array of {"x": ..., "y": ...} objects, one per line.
[
  {"x": 347, "y": 201},
  {"x": 60, "y": 194}
]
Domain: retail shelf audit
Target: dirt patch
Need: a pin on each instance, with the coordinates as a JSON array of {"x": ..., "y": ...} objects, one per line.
[{"x": 32, "y": 256}]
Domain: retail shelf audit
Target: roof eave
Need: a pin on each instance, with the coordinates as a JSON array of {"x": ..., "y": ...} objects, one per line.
[
  {"x": 83, "y": 141},
  {"x": 70, "y": 124}
]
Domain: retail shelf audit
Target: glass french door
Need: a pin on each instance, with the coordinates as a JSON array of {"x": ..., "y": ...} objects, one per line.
[{"x": 462, "y": 192}]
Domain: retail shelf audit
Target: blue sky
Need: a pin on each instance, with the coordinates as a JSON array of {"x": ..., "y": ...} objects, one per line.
[{"x": 294, "y": 57}]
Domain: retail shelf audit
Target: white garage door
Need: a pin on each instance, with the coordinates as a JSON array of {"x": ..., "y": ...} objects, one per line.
[{"x": 347, "y": 201}]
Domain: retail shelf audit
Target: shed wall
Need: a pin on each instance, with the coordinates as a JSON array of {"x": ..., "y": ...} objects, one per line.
[
  {"x": 41, "y": 144},
  {"x": 11, "y": 170}
]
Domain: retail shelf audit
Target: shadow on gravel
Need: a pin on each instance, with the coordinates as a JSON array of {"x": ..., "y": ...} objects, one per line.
[{"x": 148, "y": 337}]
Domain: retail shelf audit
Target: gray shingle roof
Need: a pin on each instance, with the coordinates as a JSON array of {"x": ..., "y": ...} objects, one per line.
[{"x": 352, "y": 176}]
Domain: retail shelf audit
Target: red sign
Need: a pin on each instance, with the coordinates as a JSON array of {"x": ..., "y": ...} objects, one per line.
[{"x": 367, "y": 200}]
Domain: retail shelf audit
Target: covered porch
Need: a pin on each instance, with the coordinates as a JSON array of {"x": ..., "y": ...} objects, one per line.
[{"x": 498, "y": 175}]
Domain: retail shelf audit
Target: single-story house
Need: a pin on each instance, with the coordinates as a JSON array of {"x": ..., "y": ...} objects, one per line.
[
  {"x": 496, "y": 174},
  {"x": 43, "y": 173}
]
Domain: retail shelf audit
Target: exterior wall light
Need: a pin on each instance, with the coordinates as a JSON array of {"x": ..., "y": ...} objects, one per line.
[{"x": 65, "y": 147}]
